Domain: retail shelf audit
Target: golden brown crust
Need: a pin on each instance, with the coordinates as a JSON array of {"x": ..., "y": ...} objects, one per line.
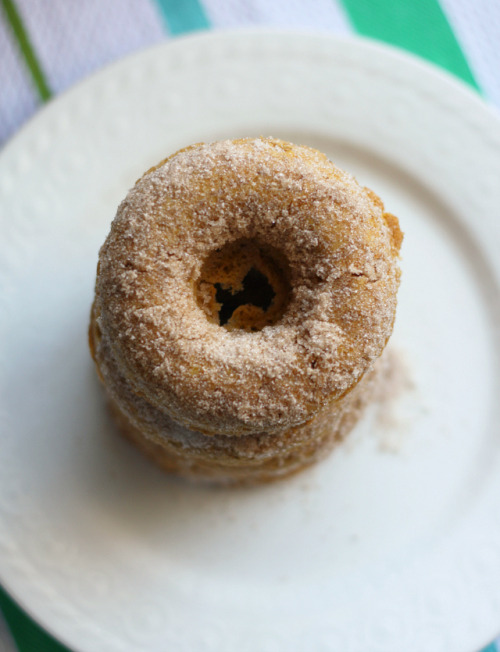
[
  {"x": 268, "y": 388},
  {"x": 396, "y": 233},
  {"x": 229, "y": 460},
  {"x": 329, "y": 428},
  {"x": 341, "y": 250}
]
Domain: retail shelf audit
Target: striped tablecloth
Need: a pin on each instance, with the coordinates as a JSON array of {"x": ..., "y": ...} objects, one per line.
[{"x": 48, "y": 45}]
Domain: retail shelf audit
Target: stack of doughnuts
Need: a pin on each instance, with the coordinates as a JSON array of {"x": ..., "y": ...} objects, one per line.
[{"x": 243, "y": 295}]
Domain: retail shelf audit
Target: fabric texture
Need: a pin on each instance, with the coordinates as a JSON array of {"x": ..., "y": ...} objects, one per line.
[{"x": 46, "y": 47}]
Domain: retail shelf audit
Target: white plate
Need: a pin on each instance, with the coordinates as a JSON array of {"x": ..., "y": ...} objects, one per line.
[{"x": 370, "y": 550}]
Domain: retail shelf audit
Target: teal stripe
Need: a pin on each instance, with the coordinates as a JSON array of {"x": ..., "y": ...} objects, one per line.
[
  {"x": 418, "y": 26},
  {"x": 490, "y": 648},
  {"x": 25, "y": 632},
  {"x": 183, "y": 15}
]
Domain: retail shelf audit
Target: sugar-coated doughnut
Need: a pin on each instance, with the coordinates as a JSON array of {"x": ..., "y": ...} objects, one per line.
[{"x": 245, "y": 289}]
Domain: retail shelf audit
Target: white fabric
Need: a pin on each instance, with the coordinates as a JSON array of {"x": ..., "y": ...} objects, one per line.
[
  {"x": 322, "y": 15},
  {"x": 72, "y": 39},
  {"x": 476, "y": 24},
  {"x": 18, "y": 100}
]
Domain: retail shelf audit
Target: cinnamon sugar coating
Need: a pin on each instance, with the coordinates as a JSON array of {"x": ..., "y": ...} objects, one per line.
[
  {"x": 196, "y": 228},
  {"x": 221, "y": 459}
]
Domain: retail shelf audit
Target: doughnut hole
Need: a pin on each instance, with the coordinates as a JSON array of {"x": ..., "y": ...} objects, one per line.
[{"x": 244, "y": 285}]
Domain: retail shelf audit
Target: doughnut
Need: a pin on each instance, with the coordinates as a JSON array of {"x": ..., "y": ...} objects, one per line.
[{"x": 243, "y": 295}]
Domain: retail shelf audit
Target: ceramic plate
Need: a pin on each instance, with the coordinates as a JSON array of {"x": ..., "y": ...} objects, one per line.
[{"x": 393, "y": 542}]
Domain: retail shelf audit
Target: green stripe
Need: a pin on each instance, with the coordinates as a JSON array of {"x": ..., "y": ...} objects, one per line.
[
  {"x": 13, "y": 16},
  {"x": 418, "y": 26},
  {"x": 183, "y": 15},
  {"x": 25, "y": 632}
]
